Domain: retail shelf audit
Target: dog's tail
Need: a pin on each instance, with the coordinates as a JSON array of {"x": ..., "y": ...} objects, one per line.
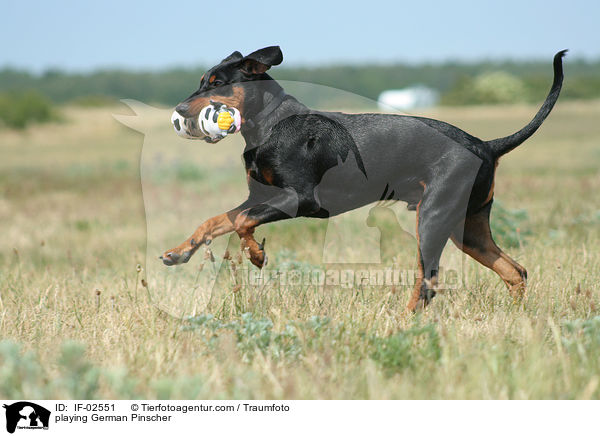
[{"x": 502, "y": 146}]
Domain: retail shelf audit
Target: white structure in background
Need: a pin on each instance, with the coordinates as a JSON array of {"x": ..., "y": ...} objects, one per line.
[{"x": 414, "y": 97}]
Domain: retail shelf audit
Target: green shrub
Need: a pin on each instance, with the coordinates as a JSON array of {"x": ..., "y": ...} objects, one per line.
[
  {"x": 19, "y": 372},
  {"x": 79, "y": 376},
  {"x": 498, "y": 87},
  {"x": 19, "y": 109},
  {"x": 487, "y": 88},
  {"x": 407, "y": 348},
  {"x": 252, "y": 335}
]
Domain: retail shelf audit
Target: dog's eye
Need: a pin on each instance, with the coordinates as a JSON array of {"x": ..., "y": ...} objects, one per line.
[{"x": 218, "y": 82}]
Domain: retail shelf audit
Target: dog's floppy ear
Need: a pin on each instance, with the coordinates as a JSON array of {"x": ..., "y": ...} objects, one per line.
[
  {"x": 261, "y": 60},
  {"x": 235, "y": 56}
]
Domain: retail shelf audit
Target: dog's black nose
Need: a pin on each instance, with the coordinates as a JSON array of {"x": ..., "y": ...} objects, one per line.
[{"x": 182, "y": 109}]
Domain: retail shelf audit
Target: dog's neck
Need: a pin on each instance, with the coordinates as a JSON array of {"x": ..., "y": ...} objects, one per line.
[{"x": 278, "y": 107}]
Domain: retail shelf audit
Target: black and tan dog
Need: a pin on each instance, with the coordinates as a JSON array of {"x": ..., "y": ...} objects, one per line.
[{"x": 442, "y": 172}]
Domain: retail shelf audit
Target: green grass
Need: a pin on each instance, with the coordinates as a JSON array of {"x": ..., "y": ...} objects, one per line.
[{"x": 76, "y": 320}]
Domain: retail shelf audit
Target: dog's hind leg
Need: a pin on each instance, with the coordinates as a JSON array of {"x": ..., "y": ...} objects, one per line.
[{"x": 478, "y": 243}]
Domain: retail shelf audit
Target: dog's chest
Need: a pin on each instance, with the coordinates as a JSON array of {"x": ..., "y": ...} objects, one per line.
[{"x": 259, "y": 167}]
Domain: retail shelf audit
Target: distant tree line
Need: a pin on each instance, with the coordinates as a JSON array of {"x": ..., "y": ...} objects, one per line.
[{"x": 459, "y": 83}]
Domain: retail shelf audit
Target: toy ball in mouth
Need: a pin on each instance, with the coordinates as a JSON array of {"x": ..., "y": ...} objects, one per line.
[
  {"x": 217, "y": 121},
  {"x": 214, "y": 122}
]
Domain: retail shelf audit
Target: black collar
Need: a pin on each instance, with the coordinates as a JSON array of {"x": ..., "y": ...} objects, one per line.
[{"x": 252, "y": 123}]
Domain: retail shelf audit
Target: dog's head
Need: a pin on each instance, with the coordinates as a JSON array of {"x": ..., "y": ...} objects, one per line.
[{"x": 237, "y": 81}]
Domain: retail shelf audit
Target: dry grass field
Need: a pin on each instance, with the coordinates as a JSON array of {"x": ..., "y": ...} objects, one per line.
[{"x": 77, "y": 322}]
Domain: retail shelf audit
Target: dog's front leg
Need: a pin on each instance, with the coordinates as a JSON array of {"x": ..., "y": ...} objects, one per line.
[
  {"x": 211, "y": 228},
  {"x": 283, "y": 206}
]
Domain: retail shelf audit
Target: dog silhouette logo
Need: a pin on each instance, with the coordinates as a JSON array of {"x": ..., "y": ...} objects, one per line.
[{"x": 26, "y": 415}]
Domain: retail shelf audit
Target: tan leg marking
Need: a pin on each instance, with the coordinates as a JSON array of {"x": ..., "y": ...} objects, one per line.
[
  {"x": 479, "y": 244},
  {"x": 415, "y": 301},
  {"x": 209, "y": 229},
  {"x": 245, "y": 227}
]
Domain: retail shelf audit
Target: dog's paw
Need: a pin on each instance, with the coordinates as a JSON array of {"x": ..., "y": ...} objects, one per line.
[
  {"x": 171, "y": 257},
  {"x": 255, "y": 252},
  {"x": 181, "y": 254}
]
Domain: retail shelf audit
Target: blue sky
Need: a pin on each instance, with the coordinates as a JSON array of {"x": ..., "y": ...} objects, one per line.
[{"x": 82, "y": 36}]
